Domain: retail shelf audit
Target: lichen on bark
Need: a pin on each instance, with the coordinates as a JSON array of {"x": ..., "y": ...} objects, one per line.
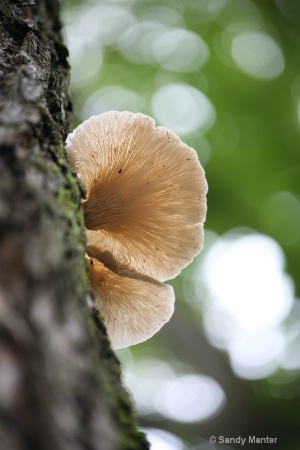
[{"x": 59, "y": 380}]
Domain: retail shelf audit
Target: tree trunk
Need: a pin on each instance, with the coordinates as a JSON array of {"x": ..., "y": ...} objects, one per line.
[{"x": 59, "y": 381}]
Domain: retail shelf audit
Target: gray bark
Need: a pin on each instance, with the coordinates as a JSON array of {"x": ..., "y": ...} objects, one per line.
[{"x": 59, "y": 380}]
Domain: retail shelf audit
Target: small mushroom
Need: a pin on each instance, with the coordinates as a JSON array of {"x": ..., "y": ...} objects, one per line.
[
  {"x": 146, "y": 193},
  {"x": 134, "y": 306}
]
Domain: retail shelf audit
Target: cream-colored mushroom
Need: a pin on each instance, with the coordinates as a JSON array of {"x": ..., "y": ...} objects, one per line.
[
  {"x": 146, "y": 195},
  {"x": 134, "y": 306}
]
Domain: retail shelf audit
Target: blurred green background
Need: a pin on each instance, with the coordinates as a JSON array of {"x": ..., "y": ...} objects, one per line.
[{"x": 225, "y": 76}]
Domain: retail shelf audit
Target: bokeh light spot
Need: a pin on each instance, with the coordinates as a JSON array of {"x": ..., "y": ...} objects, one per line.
[
  {"x": 180, "y": 50},
  {"x": 258, "y": 355},
  {"x": 191, "y": 398},
  {"x": 135, "y": 44},
  {"x": 91, "y": 58},
  {"x": 245, "y": 275},
  {"x": 105, "y": 22},
  {"x": 249, "y": 297},
  {"x": 101, "y": 23},
  {"x": 258, "y": 55},
  {"x": 160, "y": 387},
  {"x": 162, "y": 14},
  {"x": 183, "y": 108},
  {"x": 112, "y": 98},
  {"x": 221, "y": 326}
]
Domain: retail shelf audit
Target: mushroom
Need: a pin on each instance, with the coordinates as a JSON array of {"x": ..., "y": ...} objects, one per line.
[
  {"x": 146, "y": 192},
  {"x": 144, "y": 211},
  {"x": 134, "y": 306}
]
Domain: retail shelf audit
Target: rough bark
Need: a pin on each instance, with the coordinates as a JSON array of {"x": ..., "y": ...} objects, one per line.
[{"x": 59, "y": 381}]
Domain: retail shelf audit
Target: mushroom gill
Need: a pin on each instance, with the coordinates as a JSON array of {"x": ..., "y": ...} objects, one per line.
[
  {"x": 134, "y": 306},
  {"x": 146, "y": 192}
]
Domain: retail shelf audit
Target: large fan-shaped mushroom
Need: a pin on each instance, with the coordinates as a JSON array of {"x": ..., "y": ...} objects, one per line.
[{"x": 146, "y": 192}]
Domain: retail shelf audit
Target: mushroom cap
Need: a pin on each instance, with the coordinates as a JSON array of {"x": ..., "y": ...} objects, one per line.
[
  {"x": 134, "y": 307},
  {"x": 146, "y": 192}
]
